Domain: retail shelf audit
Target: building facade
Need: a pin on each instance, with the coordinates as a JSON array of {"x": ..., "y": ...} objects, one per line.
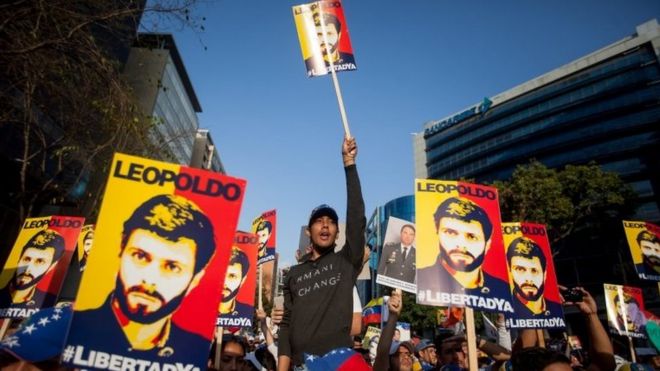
[
  {"x": 205, "y": 154},
  {"x": 603, "y": 107},
  {"x": 165, "y": 94}
]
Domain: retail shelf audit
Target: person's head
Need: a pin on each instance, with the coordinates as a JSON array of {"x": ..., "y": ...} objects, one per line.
[
  {"x": 626, "y": 311},
  {"x": 649, "y": 243},
  {"x": 453, "y": 351},
  {"x": 38, "y": 256},
  {"x": 528, "y": 268},
  {"x": 539, "y": 359},
  {"x": 407, "y": 234},
  {"x": 426, "y": 351},
  {"x": 415, "y": 339},
  {"x": 166, "y": 244},
  {"x": 232, "y": 352},
  {"x": 322, "y": 227},
  {"x": 401, "y": 356},
  {"x": 331, "y": 35},
  {"x": 397, "y": 335},
  {"x": 464, "y": 233},
  {"x": 236, "y": 275},
  {"x": 264, "y": 229}
]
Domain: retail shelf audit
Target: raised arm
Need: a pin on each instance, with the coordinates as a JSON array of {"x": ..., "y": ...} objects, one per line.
[
  {"x": 394, "y": 306},
  {"x": 601, "y": 351},
  {"x": 355, "y": 220}
]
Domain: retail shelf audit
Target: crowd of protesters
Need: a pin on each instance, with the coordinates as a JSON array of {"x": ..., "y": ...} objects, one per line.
[
  {"x": 318, "y": 326},
  {"x": 446, "y": 352}
]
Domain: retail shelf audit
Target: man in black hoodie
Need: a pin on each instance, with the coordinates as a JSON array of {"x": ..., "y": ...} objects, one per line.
[{"x": 318, "y": 292}]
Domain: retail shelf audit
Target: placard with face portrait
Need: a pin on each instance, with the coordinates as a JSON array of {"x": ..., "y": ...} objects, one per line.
[
  {"x": 370, "y": 341},
  {"x": 534, "y": 290},
  {"x": 625, "y": 310},
  {"x": 460, "y": 253},
  {"x": 265, "y": 227},
  {"x": 397, "y": 263},
  {"x": 150, "y": 293},
  {"x": 237, "y": 304},
  {"x": 85, "y": 242},
  {"x": 644, "y": 243},
  {"x": 323, "y": 36},
  {"x": 37, "y": 264}
]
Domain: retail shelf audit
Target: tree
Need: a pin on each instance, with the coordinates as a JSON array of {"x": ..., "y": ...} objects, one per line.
[
  {"x": 568, "y": 201},
  {"x": 419, "y": 316},
  {"x": 64, "y": 104}
]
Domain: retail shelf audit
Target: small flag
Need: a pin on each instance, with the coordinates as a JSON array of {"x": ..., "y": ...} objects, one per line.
[
  {"x": 341, "y": 359},
  {"x": 372, "y": 311},
  {"x": 41, "y": 336}
]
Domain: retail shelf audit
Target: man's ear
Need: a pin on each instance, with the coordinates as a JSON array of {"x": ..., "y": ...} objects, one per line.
[
  {"x": 487, "y": 246},
  {"x": 307, "y": 232}
]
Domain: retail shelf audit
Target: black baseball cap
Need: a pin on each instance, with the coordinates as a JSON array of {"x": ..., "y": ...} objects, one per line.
[{"x": 322, "y": 210}]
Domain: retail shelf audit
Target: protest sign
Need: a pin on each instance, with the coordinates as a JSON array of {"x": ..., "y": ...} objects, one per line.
[
  {"x": 37, "y": 264},
  {"x": 404, "y": 331},
  {"x": 625, "y": 310},
  {"x": 460, "y": 253},
  {"x": 644, "y": 243},
  {"x": 237, "y": 303},
  {"x": 535, "y": 294},
  {"x": 85, "y": 242},
  {"x": 323, "y": 37},
  {"x": 150, "y": 293},
  {"x": 265, "y": 227},
  {"x": 370, "y": 341},
  {"x": 396, "y": 267}
]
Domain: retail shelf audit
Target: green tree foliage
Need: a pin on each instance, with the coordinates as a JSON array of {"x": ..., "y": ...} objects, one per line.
[
  {"x": 419, "y": 316},
  {"x": 570, "y": 200}
]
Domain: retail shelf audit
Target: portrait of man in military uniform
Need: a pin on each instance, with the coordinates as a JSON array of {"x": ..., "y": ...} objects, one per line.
[
  {"x": 39, "y": 256},
  {"x": 464, "y": 233},
  {"x": 397, "y": 259},
  {"x": 237, "y": 273},
  {"x": 528, "y": 266},
  {"x": 165, "y": 247}
]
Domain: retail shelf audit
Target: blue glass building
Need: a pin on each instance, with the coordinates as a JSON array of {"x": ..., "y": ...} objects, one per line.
[{"x": 604, "y": 107}]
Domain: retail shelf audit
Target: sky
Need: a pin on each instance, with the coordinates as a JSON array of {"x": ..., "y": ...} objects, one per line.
[{"x": 417, "y": 60}]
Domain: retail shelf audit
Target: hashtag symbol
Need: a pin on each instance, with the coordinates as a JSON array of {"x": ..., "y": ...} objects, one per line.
[{"x": 67, "y": 355}]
